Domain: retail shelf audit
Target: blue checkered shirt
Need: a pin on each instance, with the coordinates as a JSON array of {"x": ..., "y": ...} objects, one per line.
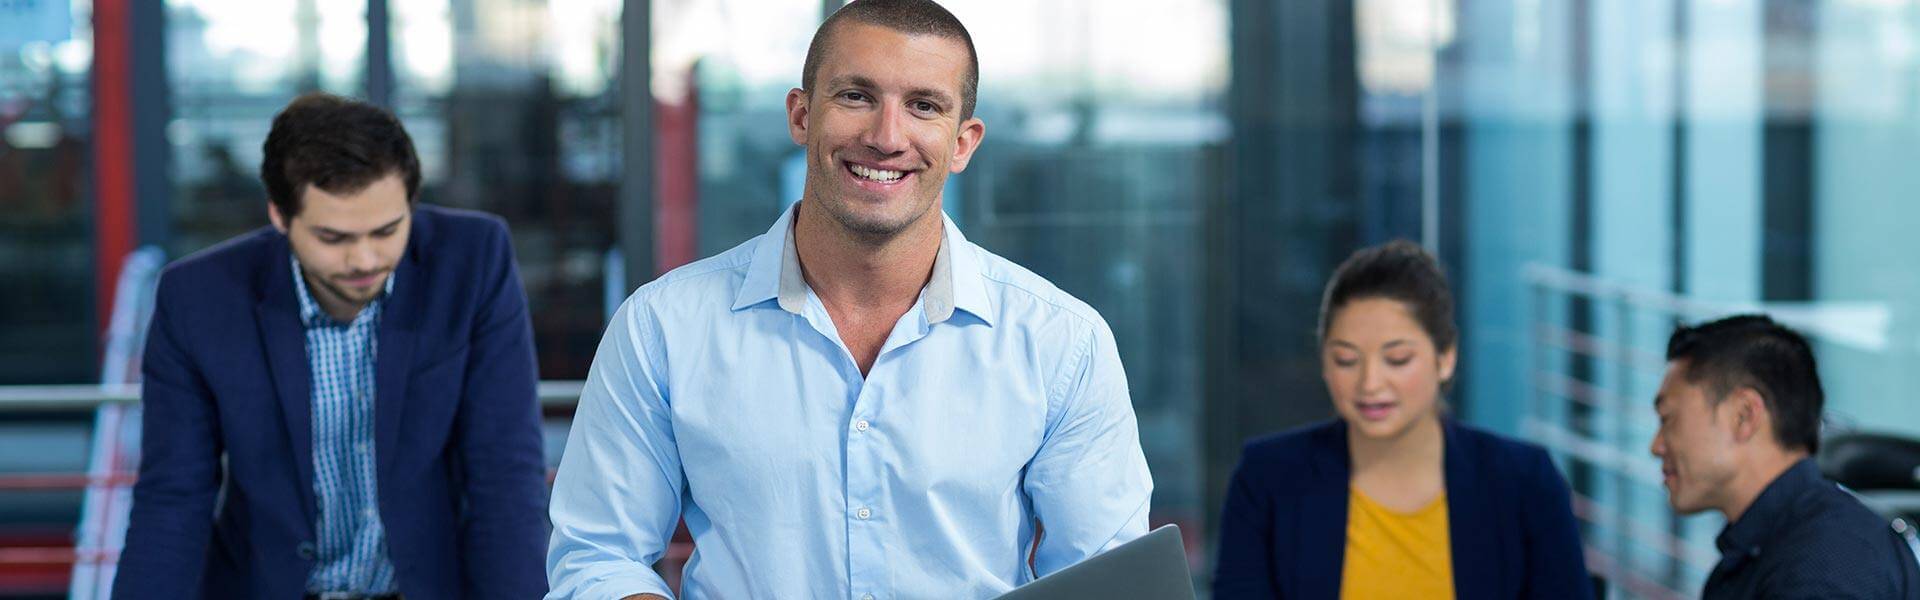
[{"x": 351, "y": 553}]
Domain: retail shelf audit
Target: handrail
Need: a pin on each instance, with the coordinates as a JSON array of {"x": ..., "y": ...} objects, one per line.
[
  {"x": 1862, "y": 325},
  {"x": 1576, "y": 282},
  {"x": 13, "y": 398}
]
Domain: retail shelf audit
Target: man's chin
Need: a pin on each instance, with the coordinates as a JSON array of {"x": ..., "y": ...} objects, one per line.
[
  {"x": 882, "y": 221},
  {"x": 1683, "y": 506}
]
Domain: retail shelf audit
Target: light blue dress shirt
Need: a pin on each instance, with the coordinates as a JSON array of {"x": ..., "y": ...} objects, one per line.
[
  {"x": 351, "y": 553},
  {"x": 722, "y": 394}
]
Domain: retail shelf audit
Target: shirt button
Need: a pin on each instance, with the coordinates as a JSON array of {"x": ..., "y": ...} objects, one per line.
[
  {"x": 305, "y": 550},
  {"x": 863, "y": 514},
  {"x": 860, "y": 425},
  {"x": 360, "y": 447}
]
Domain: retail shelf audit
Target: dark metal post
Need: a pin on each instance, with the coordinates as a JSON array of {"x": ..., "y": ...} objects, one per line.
[
  {"x": 635, "y": 209},
  {"x": 380, "y": 80}
]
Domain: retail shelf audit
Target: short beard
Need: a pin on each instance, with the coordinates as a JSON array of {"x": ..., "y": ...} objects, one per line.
[
  {"x": 345, "y": 295},
  {"x": 868, "y": 230}
]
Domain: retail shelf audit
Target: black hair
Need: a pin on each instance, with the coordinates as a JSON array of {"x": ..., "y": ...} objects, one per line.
[
  {"x": 913, "y": 17},
  {"x": 1398, "y": 270},
  {"x": 336, "y": 144},
  {"x": 1752, "y": 351}
]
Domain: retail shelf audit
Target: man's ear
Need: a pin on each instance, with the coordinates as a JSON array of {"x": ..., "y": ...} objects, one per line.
[
  {"x": 273, "y": 216},
  {"x": 972, "y": 131},
  {"x": 1750, "y": 417},
  {"x": 797, "y": 107}
]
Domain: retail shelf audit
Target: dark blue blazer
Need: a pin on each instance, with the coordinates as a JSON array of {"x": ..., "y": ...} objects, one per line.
[
  {"x": 462, "y": 489},
  {"x": 1283, "y": 533}
]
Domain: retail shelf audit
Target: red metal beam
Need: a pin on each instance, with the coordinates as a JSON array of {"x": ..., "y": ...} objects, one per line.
[{"x": 113, "y": 211}]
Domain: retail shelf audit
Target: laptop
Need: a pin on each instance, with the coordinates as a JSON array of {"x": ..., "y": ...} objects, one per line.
[{"x": 1153, "y": 567}]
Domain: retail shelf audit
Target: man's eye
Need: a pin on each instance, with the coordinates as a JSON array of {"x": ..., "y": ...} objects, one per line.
[{"x": 854, "y": 96}]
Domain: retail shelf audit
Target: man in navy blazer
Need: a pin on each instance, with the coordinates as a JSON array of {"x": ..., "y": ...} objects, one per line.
[{"x": 341, "y": 405}]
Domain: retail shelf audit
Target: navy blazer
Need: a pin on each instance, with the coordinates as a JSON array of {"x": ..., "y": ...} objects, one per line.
[
  {"x": 461, "y": 479},
  {"x": 1283, "y": 533}
]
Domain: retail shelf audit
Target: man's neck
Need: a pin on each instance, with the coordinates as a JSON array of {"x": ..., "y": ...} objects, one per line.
[
  {"x": 1746, "y": 487},
  {"x": 859, "y": 273}
]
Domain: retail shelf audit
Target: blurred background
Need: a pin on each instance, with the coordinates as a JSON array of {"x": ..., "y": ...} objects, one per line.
[{"x": 1590, "y": 171}]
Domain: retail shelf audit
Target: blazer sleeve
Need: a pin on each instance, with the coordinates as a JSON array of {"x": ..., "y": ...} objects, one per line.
[
  {"x": 171, "y": 522},
  {"x": 499, "y": 444},
  {"x": 1245, "y": 558},
  {"x": 1555, "y": 557}
]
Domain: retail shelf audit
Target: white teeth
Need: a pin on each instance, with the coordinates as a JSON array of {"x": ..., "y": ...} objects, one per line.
[{"x": 877, "y": 174}]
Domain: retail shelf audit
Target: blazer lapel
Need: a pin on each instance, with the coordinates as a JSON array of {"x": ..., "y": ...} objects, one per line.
[
  {"x": 285, "y": 341},
  {"x": 395, "y": 352},
  {"x": 1475, "y": 544},
  {"x": 1323, "y": 512}
]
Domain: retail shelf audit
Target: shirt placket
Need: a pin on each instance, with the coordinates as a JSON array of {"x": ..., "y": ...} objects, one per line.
[
  {"x": 868, "y": 452},
  {"x": 866, "y": 521}
]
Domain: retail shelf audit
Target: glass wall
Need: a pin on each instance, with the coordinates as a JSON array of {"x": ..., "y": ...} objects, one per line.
[
  {"x": 47, "y": 322},
  {"x": 514, "y": 107},
  {"x": 1680, "y": 160}
]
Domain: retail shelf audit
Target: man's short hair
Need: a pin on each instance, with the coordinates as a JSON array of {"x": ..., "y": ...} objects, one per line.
[
  {"x": 912, "y": 17},
  {"x": 1752, "y": 351},
  {"x": 337, "y": 144}
]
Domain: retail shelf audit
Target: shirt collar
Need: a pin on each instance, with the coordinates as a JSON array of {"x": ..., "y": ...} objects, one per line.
[
  {"x": 1768, "y": 511},
  {"x": 774, "y": 274},
  {"x": 310, "y": 312}
]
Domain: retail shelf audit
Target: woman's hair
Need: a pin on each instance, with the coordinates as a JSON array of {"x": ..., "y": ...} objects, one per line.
[{"x": 1397, "y": 270}]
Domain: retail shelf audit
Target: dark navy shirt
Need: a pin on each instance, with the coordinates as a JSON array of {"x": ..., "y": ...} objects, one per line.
[{"x": 1804, "y": 537}]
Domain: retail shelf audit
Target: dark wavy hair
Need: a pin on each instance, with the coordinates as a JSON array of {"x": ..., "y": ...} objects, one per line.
[{"x": 336, "y": 144}]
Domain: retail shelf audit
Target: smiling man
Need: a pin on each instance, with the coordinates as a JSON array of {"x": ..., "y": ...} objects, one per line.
[
  {"x": 340, "y": 405},
  {"x": 1739, "y": 412},
  {"x": 859, "y": 404}
]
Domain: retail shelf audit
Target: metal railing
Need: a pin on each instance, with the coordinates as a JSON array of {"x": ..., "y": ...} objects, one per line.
[
  {"x": 81, "y": 398},
  {"x": 112, "y": 470}
]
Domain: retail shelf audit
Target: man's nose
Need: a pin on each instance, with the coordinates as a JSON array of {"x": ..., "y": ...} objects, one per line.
[{"x": 886, "y": 134}]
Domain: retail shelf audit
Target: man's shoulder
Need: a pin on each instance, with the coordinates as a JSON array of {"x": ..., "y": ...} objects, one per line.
[
  {"x": 1016, "y": 290},
  {"x": 1831, "y": 518},
  {"x": 221, "y": 268},
  {"x": 711, "y": 281},
  {"x": 459, "y": 223},
  {"x": 1831, "y": 544},
  {"x": 456, "y": 236},
  {"x": 1838, "y": 510}
]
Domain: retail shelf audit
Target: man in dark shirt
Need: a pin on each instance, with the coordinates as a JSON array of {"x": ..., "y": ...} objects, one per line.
[{"x": 1739, "y": 423}]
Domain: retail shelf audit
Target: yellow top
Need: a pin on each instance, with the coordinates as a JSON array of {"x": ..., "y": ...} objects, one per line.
[{"x": 1396, "y": 555}]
